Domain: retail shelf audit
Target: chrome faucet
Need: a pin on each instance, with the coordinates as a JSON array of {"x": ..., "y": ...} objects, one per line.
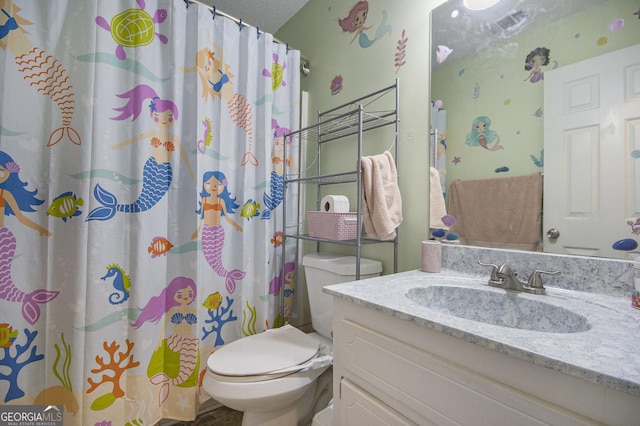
[{"x": 504, "y": 277}]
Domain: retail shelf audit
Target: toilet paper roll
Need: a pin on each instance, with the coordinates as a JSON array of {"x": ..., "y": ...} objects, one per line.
[{"x": 334, "y": 204}]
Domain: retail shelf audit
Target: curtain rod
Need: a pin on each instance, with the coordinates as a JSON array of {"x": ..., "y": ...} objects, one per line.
[{"x": 304, "y": 67}]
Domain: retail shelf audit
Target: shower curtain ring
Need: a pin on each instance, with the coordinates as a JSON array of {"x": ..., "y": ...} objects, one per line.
[
  {"x": 240, "y": 25},
  {"x": 186, "y": 2},
  {"x": 258, "y": 31},
  {"x": 214, "y": 13}
]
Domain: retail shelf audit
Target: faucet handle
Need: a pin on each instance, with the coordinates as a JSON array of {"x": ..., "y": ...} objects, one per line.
[
  {"x": 494, "y": 271},
  {"x": 535, "y": 281}
]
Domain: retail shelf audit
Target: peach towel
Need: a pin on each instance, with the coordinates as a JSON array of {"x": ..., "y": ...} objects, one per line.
[
  {"x": 503, "y": 212},
  {"x": 381, "y": 200}
]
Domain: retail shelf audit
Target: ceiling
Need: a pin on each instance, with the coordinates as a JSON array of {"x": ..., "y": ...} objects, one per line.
[
  {"x": 267, "y": 15},
  {"x": 471, "y": 31},
  {"x": 467, "y": 33}
]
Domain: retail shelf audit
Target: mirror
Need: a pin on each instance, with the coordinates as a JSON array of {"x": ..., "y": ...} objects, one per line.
[{"x": 491, "y": 116}]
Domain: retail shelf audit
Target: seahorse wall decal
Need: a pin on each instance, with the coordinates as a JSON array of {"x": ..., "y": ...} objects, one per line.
[{"x": 121, "y": 282}]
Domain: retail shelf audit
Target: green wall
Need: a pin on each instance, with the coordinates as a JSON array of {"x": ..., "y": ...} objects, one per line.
[
  {"x": 316, "y": 33},
  {"x": 494, "y": 83}
]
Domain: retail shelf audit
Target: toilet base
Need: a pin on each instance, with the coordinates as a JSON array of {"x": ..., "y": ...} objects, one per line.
[{"x": 314, "y": 399}]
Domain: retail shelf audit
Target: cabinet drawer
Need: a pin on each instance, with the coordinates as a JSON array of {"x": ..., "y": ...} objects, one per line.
[
  {"x": 427, "y": 388},
  {"x": 361, "y": 408}
]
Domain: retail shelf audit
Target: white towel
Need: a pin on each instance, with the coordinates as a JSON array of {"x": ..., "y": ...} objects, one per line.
[
  {"x": 437, "y": 207},
  {"x": 381, "y": 200}
]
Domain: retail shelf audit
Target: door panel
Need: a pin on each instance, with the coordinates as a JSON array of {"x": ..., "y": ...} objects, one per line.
[{"x": 592, "y": 181}]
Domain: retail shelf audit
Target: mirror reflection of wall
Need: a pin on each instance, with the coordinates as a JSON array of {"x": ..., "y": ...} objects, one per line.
[{"x": 494, "y": 95}]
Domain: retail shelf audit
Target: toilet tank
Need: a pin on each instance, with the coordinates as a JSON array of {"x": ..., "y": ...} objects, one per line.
[{"x": 322, "y": 269}]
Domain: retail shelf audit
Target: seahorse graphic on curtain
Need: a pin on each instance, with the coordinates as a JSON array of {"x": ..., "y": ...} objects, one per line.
[
  {"x": 176, "y": 361},
  {"x": 280, "y": 164},
  {"x": 157, "y": 173},
  {"x": 215, "y": 78},
  {"x": 216, "y": 202},
  {"x": 42, "y": 71},
  {"x": 15, "y": 199}
]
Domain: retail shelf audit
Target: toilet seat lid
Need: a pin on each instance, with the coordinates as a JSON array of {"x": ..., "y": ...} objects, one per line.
[{"x": 264, "y": 353}]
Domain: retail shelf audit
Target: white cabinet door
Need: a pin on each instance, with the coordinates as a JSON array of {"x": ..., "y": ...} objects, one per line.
[
  {"x": 361, "y": 408},
  {"x": 592, "y": 182}
]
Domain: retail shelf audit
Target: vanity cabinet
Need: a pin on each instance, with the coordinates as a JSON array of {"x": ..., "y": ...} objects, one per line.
[{"x": 392, "y": 371}]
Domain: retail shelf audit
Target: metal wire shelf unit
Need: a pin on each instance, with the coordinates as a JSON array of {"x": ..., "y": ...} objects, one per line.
[{"x": 353, "y": 119}]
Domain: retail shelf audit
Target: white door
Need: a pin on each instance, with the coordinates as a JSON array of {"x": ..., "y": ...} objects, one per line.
[{"x": 591, "y": 137}]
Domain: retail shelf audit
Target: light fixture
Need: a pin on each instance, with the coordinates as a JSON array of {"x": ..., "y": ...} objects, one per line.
[{"x": 479, "y": 4}]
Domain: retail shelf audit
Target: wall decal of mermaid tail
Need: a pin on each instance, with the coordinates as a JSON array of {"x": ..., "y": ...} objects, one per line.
[
  {"x": 14, "y": 200},
  {"x": 216, "y": 202},
  {"x": 42, "y": 71},
  {"x": 280, "y": 164},
  {"x": 157, "y": 172}
]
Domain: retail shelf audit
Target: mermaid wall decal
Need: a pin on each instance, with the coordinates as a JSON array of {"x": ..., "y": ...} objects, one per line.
[
  {"x": 14, "y": 200},
  {"x": 216, "y": 202},
  {"x": 274, "y": 198},
  {"x": 482, "y": 135},
  {"x": 157, "y": 173},
  {"x": 355, "y": 20},
  {"x": 180, "y": 319},
  {"x": 215, "y": 78},
  {"x": 42, "y": 71}
]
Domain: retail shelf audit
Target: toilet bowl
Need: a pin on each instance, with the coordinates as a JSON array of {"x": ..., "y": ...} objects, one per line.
[
  {"x": 284, "y": 376},
  {"x": 272, "y": 377}
]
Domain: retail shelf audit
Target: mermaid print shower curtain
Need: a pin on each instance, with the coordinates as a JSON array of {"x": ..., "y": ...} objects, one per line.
[{"x": 141, "y": 184}]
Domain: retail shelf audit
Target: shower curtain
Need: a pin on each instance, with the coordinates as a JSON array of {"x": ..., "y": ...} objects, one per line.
[
  {"x": 141, "y": 184},
  {"x": 438, "y": 143}
]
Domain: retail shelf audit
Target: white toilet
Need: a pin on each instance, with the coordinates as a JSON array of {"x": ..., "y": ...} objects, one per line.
[{"x": 283, "y": 376}]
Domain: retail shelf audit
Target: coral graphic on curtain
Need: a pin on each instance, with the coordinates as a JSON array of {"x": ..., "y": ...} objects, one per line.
[{"x": 140, "y": 152}]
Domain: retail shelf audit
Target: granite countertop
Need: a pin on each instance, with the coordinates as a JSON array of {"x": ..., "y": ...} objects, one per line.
[{"x": 607, "y": 353}]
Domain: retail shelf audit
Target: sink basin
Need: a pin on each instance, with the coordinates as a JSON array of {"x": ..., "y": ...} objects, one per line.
[{"x": 504, "y": 309}]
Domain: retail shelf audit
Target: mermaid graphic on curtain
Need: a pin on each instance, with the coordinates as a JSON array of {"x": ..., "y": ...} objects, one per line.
[
  {"x": 176, "y": 360},
  {"x": 157, "y": 174},
  {"x": 66, "y": 341},
  {"x": 215, "y": 78},
  {"x": 42, "y": 71},
  {"x": 216, "y": 202},
  {"x": 280, "y": 164},
  {"x": 14, "y": 199}
]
